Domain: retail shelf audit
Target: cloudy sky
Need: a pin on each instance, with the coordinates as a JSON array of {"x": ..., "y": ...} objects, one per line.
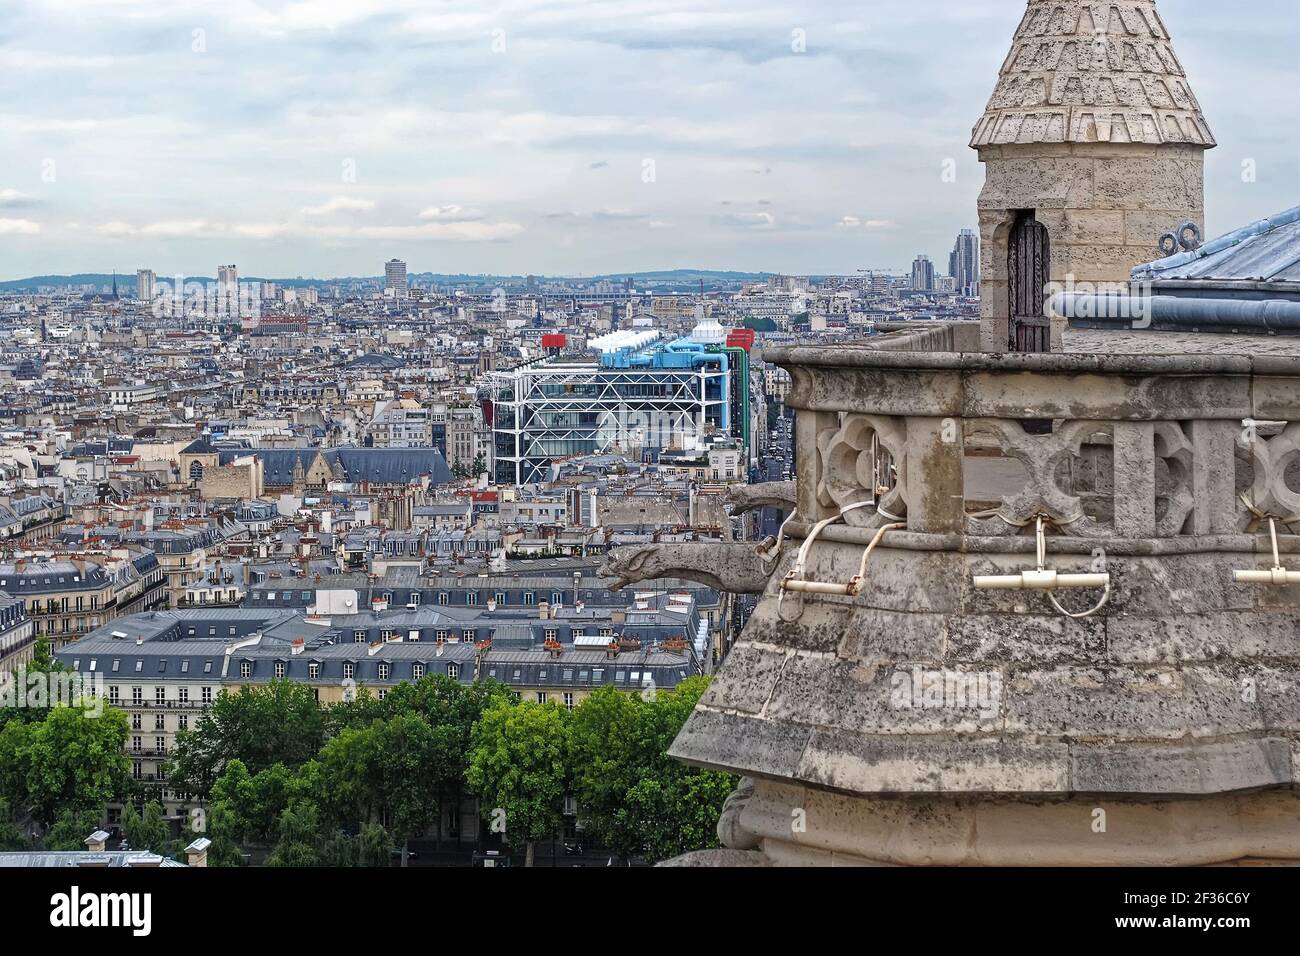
[{"x": 321, "y": 137}]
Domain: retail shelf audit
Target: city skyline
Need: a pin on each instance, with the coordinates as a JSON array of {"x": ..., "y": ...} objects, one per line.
[{"x": 456, "y": 141}]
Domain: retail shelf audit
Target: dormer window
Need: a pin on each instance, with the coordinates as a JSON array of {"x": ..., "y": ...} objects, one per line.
[
  {"x": 245, "y": 669},
  {"x": 383, "y": 671}
]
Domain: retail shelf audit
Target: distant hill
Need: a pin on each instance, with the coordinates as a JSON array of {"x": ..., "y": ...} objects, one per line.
[{"x": 126, "y": 281}]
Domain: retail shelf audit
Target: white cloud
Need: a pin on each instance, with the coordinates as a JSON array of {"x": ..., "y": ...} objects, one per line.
[
  {"x": 445, "y": 231},
  {"x": 177, "y": 228},
  {"x": 159, "y": 148},
  {"x": 853, "y": 222},
  {"x": 19, "y": 227},
  {"x": 450, "y": 213},
  {"x": 339, "y": 204}
]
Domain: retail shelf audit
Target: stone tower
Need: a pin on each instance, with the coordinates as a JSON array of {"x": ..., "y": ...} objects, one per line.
[
  {"x": 1086, "y": 659},
  {"x": 1093, "y": 145}
]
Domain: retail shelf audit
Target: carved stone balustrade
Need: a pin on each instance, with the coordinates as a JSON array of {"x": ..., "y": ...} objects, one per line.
[{"x": 927, "y": 720}]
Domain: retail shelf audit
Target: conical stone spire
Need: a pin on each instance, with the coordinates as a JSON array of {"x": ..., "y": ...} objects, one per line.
[{"x": 1092, "y": 72}]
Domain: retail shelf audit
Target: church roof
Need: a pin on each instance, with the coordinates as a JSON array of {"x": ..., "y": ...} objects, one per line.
[
  {"x": 1084, "y": 72},
  {"x": 200, "y": 446},
  {"x": 1265, "y": 251},
  {"x": 378, "y": 466}
]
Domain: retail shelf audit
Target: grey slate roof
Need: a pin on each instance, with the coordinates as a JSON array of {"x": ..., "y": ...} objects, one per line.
[
  {"x": 378, "y": 466},
  {"x": 1264, "y": 251},
  {"x": 60, "y": 858}
]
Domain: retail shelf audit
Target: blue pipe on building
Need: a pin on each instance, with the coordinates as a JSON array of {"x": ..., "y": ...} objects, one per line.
[{"x": 1168, "y": 312}]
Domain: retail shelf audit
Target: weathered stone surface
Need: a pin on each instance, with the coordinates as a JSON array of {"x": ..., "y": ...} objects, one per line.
[
  {"x": 1025, "y": 639},
  {"x": 890, "y": 699},
  {"x": 1170, "y": 639},
  {"x": 1080, "y": 72},
  {"x": 1181, "y": 769},
  {"x": 1278, "y": 691},
  {"x": 741, "y": 499},
  {"x": 747, "y": 682},
  {"x": 763, "y": 747},
  {"x": 877, "y": 635},
  {"x": 720, "y": 857},
  {"x": 924, "y": 720},
  {"x": 1112, "y": 702},
  {"x": 727, "y": 566},
  {"x": 947, "y": 830},
  {"x": 867, "y": 764}
]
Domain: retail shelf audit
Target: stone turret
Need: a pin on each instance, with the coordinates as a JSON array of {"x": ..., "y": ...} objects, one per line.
[
  {"x": 1029, "y": 609},
  {"x": 1093, "y": 133}
]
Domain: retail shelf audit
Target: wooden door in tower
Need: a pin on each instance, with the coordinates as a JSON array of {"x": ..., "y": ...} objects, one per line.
[{"x": 1028, "y": 269}]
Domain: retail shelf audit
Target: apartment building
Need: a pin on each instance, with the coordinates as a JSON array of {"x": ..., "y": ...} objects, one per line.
[
  {"x": 67, "y": 596},
  {"x": 166, "y": 668},
  {"x": 17, "y": 633},
  {"x": 183, "y": 549}
]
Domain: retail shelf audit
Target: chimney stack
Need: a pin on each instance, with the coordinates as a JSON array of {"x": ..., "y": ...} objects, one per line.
[{"x": 196, "y": 854}]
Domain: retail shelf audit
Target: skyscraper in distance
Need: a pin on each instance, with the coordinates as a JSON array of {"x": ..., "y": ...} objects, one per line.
[
  {"x": 227, "y": 290},
  {"x": 923, "y": 274},
  {"x": 395, "y": 277},
  {"x": 145, "y": 284},
  {"x": 964, "y": 263}
]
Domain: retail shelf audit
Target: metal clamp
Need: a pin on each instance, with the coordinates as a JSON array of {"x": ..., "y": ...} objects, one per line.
[
  {"x": 1047, "y": 579},
  {"x": 1278, "y": 575},
  {"x": 794, "y": 580}
]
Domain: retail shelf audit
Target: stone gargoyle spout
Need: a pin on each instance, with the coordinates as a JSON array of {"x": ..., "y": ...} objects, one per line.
[
  {"x": 734, "y": 566},
  {"x": 740, "y": 499}
]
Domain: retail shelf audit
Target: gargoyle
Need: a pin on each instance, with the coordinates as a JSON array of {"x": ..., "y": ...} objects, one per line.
[
  {"x": 734, "y": 566},
  {"x": 773, "y": 494}
]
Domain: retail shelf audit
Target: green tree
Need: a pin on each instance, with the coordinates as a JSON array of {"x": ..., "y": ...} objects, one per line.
[
  {"x": 11, "y": 838},
  {"x": 71, "y": 761},
  {"x": 43, "y": 659},
  {"x": 340, "y": 850},
  {"x": 252, "y": 804},
  {"x": 224, "y": 850},
  {"x": 71, "y": 828},
  {"x": 388, "y": 770},
  {"x": 299, "y": 837},
  {"x": 451, "y": 710},
  {"x": 608, "y": 759},
  {"x": 375, "y": 846},
  {"x": 631, "y": 795},
  {"x": 518, "y": 768},
  {"x": 403, "y": 759},
  {"x": 409, "y": 775},
  {"x": 147, "y": 831},
  {"x": 676, "y": 807},
  {"x": 42, "y": 666},
  {"x": 351, "y": 789},
  {"x": 259, "y": 726}
]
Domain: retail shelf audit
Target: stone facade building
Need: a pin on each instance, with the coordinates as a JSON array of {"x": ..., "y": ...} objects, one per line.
[
  {"x": 1093, "y": 145},
  {"x": 1036, "y": 608}
]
